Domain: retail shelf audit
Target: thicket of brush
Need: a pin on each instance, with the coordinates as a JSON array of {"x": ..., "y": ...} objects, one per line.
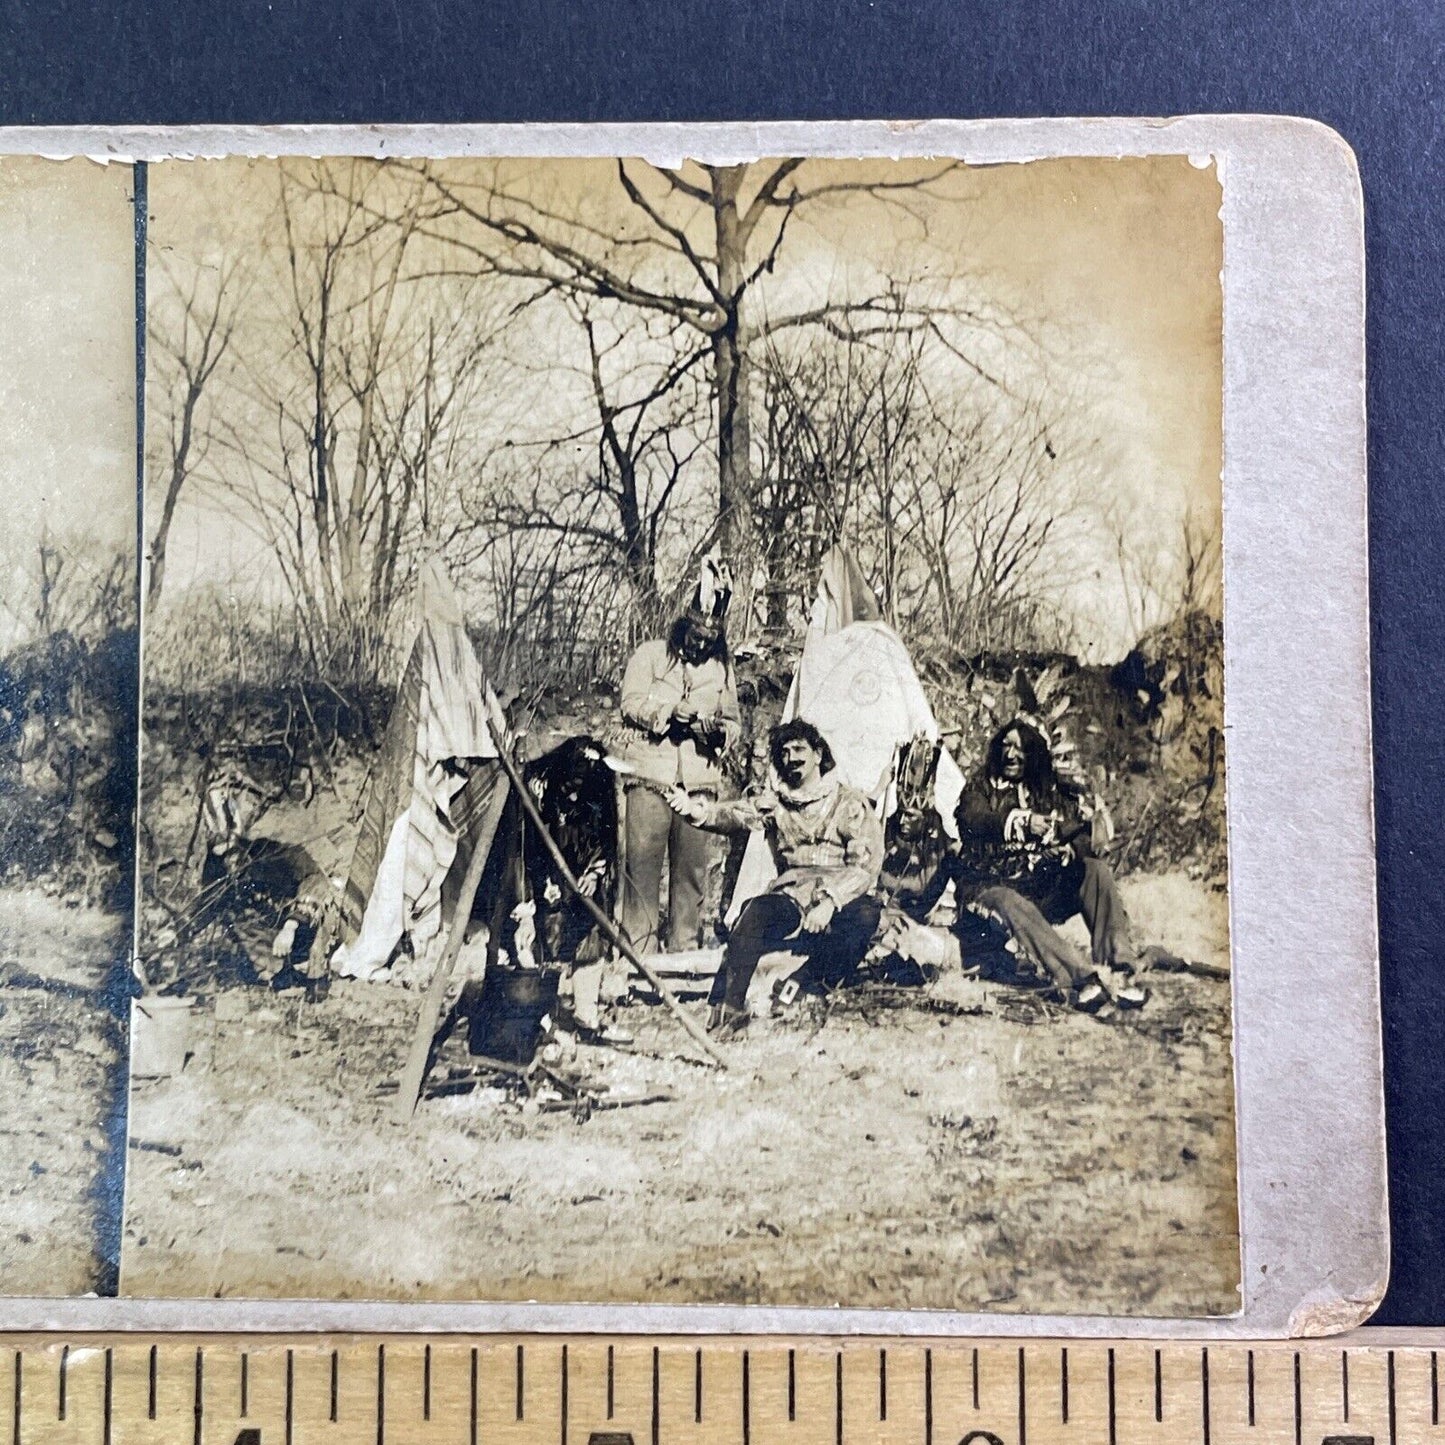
[{"x": 251, "y": 691}]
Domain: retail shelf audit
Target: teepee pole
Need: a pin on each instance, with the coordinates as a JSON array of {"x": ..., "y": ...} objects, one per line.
[
  {"x": 414, "y": 1074},
  {"x": 599, "y": 916}
]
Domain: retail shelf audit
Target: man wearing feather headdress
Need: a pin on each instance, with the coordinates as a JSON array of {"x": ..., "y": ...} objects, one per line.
[
  {"x": 681, "y": 715},
  {"x": 1026, "y": 861}
]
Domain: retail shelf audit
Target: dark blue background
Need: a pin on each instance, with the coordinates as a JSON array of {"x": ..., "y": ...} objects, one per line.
[{"x": 1371, "y": 69}]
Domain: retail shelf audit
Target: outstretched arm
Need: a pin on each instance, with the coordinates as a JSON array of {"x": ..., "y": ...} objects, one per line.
[{"x": 740, "y": 815}]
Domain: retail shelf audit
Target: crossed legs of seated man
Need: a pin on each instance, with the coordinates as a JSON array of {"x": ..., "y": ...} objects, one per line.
[{"x": 776, "y": 922}]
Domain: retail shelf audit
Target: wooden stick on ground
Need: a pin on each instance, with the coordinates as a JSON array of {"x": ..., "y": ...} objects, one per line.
[
  {"x": 599, "y": 916},
  {"x": 408, "y": 1089}
]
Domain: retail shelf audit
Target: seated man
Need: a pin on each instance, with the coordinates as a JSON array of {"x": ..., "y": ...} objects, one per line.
[
  {"x": 1026, "y": 862},
  {"x": 828, "y": 846}
]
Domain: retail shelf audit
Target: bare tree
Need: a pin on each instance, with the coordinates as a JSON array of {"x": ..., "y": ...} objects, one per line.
[
  {"x": 948, "y": 489},
  {"x": 605, "y": 493},
  {"x": 701, "y": 239},
  {"x": 189, "y": 333},
  {"x": 347, "y": 447}
]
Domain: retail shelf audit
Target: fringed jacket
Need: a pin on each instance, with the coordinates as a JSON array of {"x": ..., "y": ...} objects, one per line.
[{"x": 825, "y": 840}]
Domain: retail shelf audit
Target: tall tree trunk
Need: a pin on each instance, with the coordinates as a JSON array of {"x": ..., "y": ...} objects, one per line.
[
  {"x": 730, "y": 368},
  {"x": 179, "y": 465}
]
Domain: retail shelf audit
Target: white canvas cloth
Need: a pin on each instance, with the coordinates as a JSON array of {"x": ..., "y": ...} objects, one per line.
[
  {"x": 441, "y": 731},
  {"x": 857, "y": 685}
]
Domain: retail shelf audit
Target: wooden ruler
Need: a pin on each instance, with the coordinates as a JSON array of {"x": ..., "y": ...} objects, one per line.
[{"x": 592, "y": 1390}]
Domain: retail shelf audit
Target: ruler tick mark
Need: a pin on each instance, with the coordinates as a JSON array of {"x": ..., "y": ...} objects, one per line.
[
  {"x": 882, "y": 1384},
  {"x": 1113, "y": 1421},
  {"x": 792, "y": 1387},
  {"x": 975, "y": 1378},
  {"x": 472, "y": 1418},
  {"x": 1434, "y": 1390},
  {"x": 1390, "y": 1386},
  {"x": 1064, "y": 1384},
  {"x": 927, "y": 1397},
  {"x": 1023, "y": 1400},
  {"x": 656, "y": 1395},
  {"x": 19, "y": 1368},
  {"x": 246, "y": 1383},
  {"x": 200, "y": 1400},
  {"x": 380, "y": 1395},
  {"x": 151, "y": 1397},
  {"x": 1251, "y": 1387},
  {"x": 611, "y": 1398},
  {"x": 426, "y": 1381},
  {"x": 1299, "y": 1418},
  {"x": 1345, "y": 1386},
  {"x": 1158, "y": 1387},
  {"x": 335, "y": 1384},
  {"x": 64, "y": 1378},
  {"x": 290, "y": 1391},
  {"x": 697, "y": 1387},
  {"x": 747, "y": 1399},
  {"x": 838, "y": 1397},
  {"x": 109, "y": 1397},
  {"x": 1204, "y": 1390},
  {"x": 521, "y": 1381},
  {"x": 564, "y": 1395}
]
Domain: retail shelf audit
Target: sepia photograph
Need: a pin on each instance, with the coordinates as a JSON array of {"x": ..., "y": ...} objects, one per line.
[
  {"x": 683, "y": 751},
  {"x": 69, "y": 688}
]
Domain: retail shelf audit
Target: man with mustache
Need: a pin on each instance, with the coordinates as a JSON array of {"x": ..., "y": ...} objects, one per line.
[{"x": 827, "y": 843}]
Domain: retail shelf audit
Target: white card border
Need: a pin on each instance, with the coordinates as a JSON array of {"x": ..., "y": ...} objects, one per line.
[{"x": 1309, "y": 1090}]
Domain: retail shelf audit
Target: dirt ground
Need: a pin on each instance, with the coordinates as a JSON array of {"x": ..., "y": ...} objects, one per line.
[
  {"x": 62, "y": 1079},
  {"x": 1005, "y": 1154}
]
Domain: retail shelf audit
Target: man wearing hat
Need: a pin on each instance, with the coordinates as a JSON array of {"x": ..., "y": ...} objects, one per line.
[{"x": 680, "y": 712}]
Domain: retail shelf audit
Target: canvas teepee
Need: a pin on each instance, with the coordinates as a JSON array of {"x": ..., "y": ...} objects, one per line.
[
  {"x": 435, "y": 784},
  {"x": 856, "y": 683}
]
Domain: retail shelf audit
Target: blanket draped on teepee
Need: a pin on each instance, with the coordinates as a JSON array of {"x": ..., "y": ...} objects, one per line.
[
  {"x": 856, "y": 683},
  {"x": 433, "y": 779}
]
